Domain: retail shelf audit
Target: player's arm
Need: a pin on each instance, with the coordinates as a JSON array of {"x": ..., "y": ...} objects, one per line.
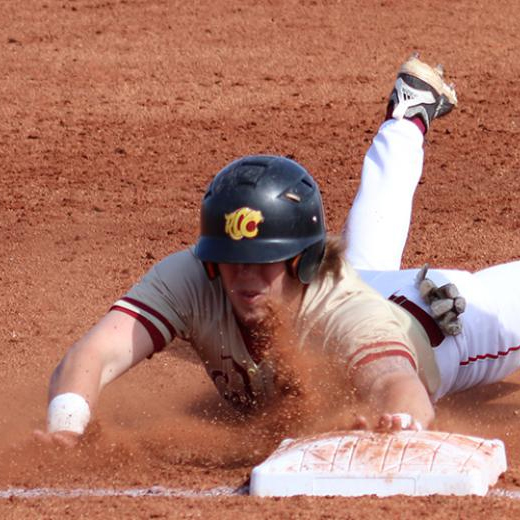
[
  {"x": 115, "y": 344},
  {"x": 391, "y": 388}
]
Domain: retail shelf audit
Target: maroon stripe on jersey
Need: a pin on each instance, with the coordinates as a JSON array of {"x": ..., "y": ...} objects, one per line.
[
  {"x": 387, "y": 353},
  {"x": 157, "y": 338},
  {"x": 153, "y": 312},
  {"x": 482, "y": 357},
  {"x": 433, "y": 331}
]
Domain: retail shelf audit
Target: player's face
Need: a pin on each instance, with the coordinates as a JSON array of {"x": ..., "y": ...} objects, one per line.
[{"x": 252, "y": 288}]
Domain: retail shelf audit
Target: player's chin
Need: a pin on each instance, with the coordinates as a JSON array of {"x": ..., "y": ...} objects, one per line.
[{"x": 252, "y": 315}]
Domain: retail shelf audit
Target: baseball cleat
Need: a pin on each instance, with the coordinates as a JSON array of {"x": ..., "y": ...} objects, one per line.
[{"x": 420, "y": 91}]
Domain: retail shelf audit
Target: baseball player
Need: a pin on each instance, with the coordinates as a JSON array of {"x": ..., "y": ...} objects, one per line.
[{"x": 263, "y": 250}]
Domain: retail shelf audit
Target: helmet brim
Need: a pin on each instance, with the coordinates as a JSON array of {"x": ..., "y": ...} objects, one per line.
[{"x": 245, "y": 251}]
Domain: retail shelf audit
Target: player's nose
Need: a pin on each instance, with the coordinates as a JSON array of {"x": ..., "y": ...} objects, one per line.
[{"x": 248, "y": 270}]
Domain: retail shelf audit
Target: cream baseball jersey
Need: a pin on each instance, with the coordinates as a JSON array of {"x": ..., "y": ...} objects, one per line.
[{"x": 350, "y": 320}]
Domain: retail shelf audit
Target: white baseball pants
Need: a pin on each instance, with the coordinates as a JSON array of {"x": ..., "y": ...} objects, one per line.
[{"x": 488, "y": 349}]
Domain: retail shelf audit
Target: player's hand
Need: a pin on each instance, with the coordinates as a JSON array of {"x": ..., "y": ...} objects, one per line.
[
  {"x": 360, "y": 423},
  {"x": 388, "y": 423},
  {"x": 63, "y": 438},
  {"x": 396, "y": 422}
]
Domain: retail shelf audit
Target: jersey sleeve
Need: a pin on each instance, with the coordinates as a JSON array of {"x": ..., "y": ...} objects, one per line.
[
  {"x": 372, "y": 331},
  {"x": 357, "y": 324},
  {"x": 165, "y": 300}
]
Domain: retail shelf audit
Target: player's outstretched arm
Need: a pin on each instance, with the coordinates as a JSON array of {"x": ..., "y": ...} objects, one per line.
[
  {"x": 393, "y": 391},
  {"x": 115, "y": 344}
]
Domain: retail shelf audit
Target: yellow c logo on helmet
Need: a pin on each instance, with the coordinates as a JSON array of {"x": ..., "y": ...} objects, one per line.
[{"x": 243, "y": 223}]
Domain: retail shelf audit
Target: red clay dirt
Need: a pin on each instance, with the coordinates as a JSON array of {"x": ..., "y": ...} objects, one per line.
[{"x": 117, "y": 113}]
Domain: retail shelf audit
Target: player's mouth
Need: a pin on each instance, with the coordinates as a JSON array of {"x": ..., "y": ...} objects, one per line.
[{"x": 250, "y": 298}]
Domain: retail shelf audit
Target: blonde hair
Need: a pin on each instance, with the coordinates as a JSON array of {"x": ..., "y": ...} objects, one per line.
[{"x": 334, "y": 256}]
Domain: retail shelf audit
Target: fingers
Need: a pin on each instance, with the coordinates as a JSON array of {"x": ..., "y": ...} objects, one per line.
[
  {"x": 360, "y": 423},
  {"x": 42, "y": 437},
  {"x": 397, "y": 422},
  {"x": 64, "y": 439},
  {"x": 388, "y": 423}
]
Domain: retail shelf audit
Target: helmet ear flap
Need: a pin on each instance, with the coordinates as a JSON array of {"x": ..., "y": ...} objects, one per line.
[
  {"x": 305, "y": 265},
  {"x": 292, "y": 265},
  {"x": 211, "y": 269}
]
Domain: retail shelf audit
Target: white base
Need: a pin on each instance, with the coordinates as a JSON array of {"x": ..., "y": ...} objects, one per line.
[{"x": 359, "y": 463}]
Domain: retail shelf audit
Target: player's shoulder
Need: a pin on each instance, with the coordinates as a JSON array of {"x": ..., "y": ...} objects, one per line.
[
  {"x": 180, "y": 267},
  {"x": 350, "y": 282},
  {"x": 185, "y": 257},
  {"x": 339, "y": 292}
]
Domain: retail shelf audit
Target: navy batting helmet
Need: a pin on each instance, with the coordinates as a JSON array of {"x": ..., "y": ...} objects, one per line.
[{"x": 263, "y": 209}]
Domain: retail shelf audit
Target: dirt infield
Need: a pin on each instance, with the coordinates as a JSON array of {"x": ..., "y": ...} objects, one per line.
[{"x": 115, "y": 115}]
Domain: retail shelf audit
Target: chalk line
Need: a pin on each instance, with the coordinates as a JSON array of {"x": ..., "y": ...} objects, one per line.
[
  {"x": 160, "y": 491},
  {"x": 504, "y": 493},
  {"x": 154, "y": 491}
]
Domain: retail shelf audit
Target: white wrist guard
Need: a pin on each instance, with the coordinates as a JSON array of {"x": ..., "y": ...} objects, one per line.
[{"x": 69, "y": 412}]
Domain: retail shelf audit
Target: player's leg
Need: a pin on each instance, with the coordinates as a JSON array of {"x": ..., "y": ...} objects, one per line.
[{"x": 378, "y": 222}]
